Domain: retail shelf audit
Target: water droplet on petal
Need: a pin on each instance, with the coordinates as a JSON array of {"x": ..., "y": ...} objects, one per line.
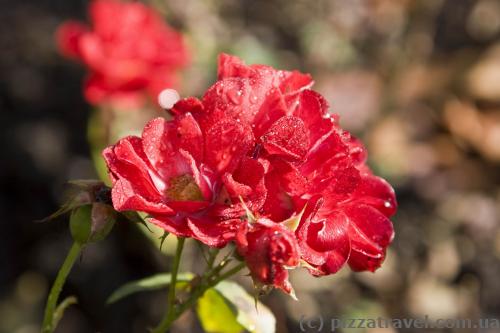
[
  {"x": 235, "y": 96},
  {"x": 253, "y": 99}
]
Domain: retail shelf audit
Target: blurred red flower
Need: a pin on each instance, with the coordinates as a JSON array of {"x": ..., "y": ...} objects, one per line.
[{"x": 129, "y": 50}]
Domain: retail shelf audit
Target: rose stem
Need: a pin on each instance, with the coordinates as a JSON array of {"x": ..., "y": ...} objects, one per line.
[
  {"x": 169, "y": 315},
  {"x": 197, "y": 293},
  {"x": 55, "y": 291}
]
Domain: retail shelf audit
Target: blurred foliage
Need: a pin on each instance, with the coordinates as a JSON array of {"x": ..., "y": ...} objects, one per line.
[
  {"x": 215, "y": 314},
  {"x": 158, "y": 281},
  {"x": 417, "y": 80}
]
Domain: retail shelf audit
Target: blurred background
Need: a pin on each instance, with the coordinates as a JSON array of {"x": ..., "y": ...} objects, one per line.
[{"x": 418, "y": 81}]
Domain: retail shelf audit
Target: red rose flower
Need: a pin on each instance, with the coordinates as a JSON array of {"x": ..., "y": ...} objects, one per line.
[
  {"x": 189, "y": 182},
  {"x": 310, "y": 163},
  {"x": 129, "y": 51},
  {"x": 269, "y": 249},
  {"x": 259, "y": 135}
]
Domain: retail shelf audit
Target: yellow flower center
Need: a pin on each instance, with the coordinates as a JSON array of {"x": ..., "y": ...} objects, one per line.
[{"x": 183, "y": 188}]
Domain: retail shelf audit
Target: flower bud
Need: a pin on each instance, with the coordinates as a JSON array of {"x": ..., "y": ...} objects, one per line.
[
  {"x": 91, "y": 223},
  {"x": 80, "y": 224},
  {"x": 269, "y": 249},
  {"x": 103, "y": 219}
]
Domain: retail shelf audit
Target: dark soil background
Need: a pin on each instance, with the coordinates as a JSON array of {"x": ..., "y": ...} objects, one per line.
[{"x": 418, "y": 81}]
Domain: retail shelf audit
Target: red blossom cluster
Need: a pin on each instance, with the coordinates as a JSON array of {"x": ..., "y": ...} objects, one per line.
[
  {"x": 129, "y": 50},
  {"x": 259, "y": 161}
]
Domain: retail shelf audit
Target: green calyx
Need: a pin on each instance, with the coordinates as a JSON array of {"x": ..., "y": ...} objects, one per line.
[{"x": 91, "y": 223}]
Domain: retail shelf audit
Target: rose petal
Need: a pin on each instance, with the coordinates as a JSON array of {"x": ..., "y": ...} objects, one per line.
[
  {"x": 161, "y": 145},
  {"x": 226, "y": 142},
  {"x": 190, "y": 104},
  {"x": 376, "y": 192},
  {"x": 212, "y": 233},
  {"x": 312, "y": 109},
  {"x": 287, "y": 137},
  {"x": 325, "y": 243},
  {"x": 370, "y": 233},
  {"x": 174, "y": 224}
]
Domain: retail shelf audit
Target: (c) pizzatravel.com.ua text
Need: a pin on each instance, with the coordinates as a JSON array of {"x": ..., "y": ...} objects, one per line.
[{"x": 321, "y": 324}]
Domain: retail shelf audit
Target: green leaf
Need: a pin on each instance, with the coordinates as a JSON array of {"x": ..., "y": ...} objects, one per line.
[
  {"x": 78, "y": 196},
  {"x": 65, "y": 208},
  {"x": 59, "y": 312},
  {"x": 250, "y": 315},
  {"x": 293, "y": 222},
  {"x": 150, "y": 283},
  {"x": 216, "y": 315}
]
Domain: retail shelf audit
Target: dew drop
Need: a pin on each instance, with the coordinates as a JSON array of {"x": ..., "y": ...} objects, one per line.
[
  {"x": 235, "y": 96},
  {"x": 253, "y": 99}
]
